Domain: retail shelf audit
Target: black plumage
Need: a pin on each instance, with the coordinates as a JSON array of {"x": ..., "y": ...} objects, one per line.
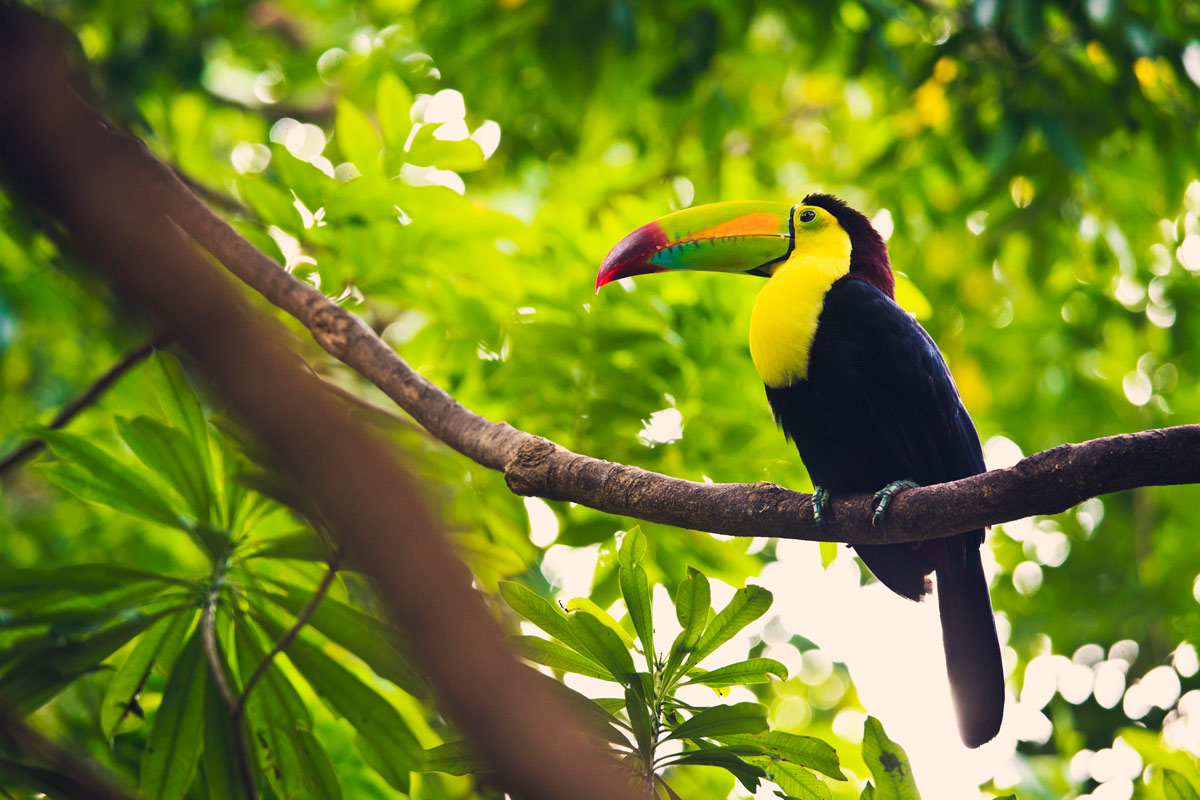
[{"x": 878, "y": 405}]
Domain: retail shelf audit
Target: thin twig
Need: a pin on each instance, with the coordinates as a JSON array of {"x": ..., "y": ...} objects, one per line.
[
  {"x": 74, "y": 777},
  {"x": 31, "y": 447},
  {"x": 287, "y": 638},
  {"x": 212, "y": 649}
]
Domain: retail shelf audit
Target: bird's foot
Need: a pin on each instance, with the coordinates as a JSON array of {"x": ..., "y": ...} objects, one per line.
[
  {"x": 820, "y": 501},
  {"x": 883, "y": 498}
]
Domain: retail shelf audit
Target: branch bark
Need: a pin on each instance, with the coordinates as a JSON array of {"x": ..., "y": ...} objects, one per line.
[{"x": 1045, "y": 483}]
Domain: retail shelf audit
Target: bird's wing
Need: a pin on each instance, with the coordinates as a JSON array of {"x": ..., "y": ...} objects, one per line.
[{"x": 907, "y": 396}]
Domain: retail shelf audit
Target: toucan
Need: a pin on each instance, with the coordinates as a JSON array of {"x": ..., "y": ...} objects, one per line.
[{"x": 859, "y": 387}]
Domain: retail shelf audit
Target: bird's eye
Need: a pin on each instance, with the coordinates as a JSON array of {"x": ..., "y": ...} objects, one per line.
[{"x": 808, "y": 215}]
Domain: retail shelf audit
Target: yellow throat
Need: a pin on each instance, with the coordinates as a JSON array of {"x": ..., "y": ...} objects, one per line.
[{"x": 784, "y": 319}]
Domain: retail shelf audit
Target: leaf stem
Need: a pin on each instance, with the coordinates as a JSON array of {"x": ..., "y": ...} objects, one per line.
[
  {"x": 212, "y": 650},
  {"x": 288, "y": 636},
  {"x": 31, "y": 447}
]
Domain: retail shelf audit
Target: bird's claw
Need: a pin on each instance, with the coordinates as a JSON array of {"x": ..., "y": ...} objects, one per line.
[
  {"x": 883, "y": 498},
  {"x": 820, "y": 501}
]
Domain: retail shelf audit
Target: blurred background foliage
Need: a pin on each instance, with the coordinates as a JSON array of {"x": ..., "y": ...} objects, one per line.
[{"x": 454, "y": 172}]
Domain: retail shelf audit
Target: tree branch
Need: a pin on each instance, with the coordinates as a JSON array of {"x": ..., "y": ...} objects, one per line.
[
  {"x": 60, "y": 154},
  {"x": 1045, "y": 483},
  {"x": 31, "y": 447}
]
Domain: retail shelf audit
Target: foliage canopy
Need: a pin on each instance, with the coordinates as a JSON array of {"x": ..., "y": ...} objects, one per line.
[{"x": 454, "y": 173}]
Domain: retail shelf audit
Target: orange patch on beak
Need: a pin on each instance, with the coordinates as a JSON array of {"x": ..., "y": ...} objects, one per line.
[{"x": 750, "y": 224}]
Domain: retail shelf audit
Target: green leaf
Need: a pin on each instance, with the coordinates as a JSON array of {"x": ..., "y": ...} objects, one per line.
[
  {"x": 718, "y": 757},
  {"x": 868, "y": 792},
  {"x": 453, "y": 758},
  {"x": 806, "y": 751},
  {"x": 722, "y": 721},
  {"x": 601, "y": 643},
  {"x": 373, "y": 641},
  {"x": 280, "y": 726},
  {"x": 728, "y": 758},
  {"x": 173, "y": 748},
  {"x": 888, "y": 764},
  {"x": 799, "y": 783},
  {"x": 96, "y": 476},
  {"x": 692, "y": 604},
  {"x": 77, "y": 579},
  {"x": 754, "y": 670},
  {"x": 393, "y": 102},
  {"x": 303, "y": 545},
  {"x": 541, "y": 612},
  {"x": 1177, "y": 787},
  {"x": 589, "y": 605},
  {"x": 828, "y": 553},
  {"x": 747, "y": 605},
  {"x": 169, "y": 454},
  {"x": 120, "y": 698},
  {"x": 635, "y": 588},
  {"x": 83, "y": 614},
  {"x": 556, "y": 656},
  {"x": 179, "y": 402},
  {"x": 633, "y": 547},
  {"x": 671, "y": 793},
  {"x": 391, "y": 748},
  {"x": 356, "y": 137},
  {"x": 639, "y": 720},
  {"x": 222, "y": 774},
  {"x": 316, "y": 770},
  {"x": 48, "y": 665}
]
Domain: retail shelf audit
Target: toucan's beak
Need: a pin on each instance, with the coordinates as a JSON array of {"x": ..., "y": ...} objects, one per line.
[{"x": 722, "y": 237}]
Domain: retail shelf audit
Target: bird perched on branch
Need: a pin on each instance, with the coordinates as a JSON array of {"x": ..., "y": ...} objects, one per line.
[{"x": 859, "y": 387}]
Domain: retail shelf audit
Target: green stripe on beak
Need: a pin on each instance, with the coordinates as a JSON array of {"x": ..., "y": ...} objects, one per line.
[{"x": 721, "y": 237}]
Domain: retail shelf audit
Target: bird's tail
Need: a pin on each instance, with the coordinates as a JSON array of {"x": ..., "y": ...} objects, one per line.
[{"x": 972, "y": 647}]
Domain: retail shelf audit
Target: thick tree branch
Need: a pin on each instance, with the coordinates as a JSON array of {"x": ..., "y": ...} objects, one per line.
[
  {"x": 1045, "y": 483},
  {"x": 59, "y": 154}
]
